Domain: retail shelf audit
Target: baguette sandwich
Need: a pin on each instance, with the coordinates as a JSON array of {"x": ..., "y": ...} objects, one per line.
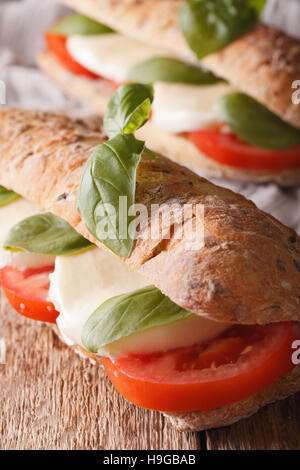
[
  {"x": 224, "y": 106},
  {"x": 206, "y": 333}
]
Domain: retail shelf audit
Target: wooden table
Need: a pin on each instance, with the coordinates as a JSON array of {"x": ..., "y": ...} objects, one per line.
[{"x": 52, "y": 399}]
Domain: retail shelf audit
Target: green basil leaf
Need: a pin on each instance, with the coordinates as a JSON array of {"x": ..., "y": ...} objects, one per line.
[
  {"x": 256, "y": 124},
  {"x": 7, "y": 196},
  {"x": 127, "y": 314},
  {"x": 209, "y": 25},
  {"x": 78, "y": 24},
  {"x": 128, "y": 109},
  {"x": 257, "y": 5},
  {"x": 110, "y": 173},
  {"x": 150, "y": 153},
  {"x": 46, "y": 234},
  {"x": 165, "y": 69}
]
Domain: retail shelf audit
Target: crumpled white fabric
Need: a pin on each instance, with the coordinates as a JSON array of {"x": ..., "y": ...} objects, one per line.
[{"x": 22, "y": 23}]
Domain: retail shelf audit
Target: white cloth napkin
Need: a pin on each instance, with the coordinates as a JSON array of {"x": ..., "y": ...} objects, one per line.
[{"x": 22, "y": 23}]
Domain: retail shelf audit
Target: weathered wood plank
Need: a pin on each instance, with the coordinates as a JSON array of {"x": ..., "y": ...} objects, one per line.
[
  {"x": 52, "y": 399},
  {"x": 275, "y": 427}
]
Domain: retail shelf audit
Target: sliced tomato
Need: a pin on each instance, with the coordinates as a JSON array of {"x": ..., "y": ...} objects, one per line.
[
  {"x": 228, "y": 149},
  {"x": 57, "y": 45},
  {"x": 28, "y": 292},
  {"x": 234, "y": 366}
]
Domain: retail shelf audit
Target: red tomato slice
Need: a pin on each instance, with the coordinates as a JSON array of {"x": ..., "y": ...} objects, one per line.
[
  {"x": 228, "y": 149},
  {"x": 57, "y": 45},
  {"x": 238, "y": 364},
  {"x": 28, "y": 291}
]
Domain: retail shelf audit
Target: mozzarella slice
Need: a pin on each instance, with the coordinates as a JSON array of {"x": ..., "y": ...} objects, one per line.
[
  {"x": 110, "y": 55},
  {"x": 10, "y": 215},
  {"x": 82, "y": 282},
  {"x": 182, "y": 108}
]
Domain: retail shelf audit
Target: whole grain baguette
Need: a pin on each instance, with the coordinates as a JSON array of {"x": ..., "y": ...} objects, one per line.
[
  {"x": 225, "y": 415},
  {"x": 249, "y": 268},
  {"x": 42, "y": 155},
  {"x": 176, "y": 147},
  {"x": 264, "y": 63}
]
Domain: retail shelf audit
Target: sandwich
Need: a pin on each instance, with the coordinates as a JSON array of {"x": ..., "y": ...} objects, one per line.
[
  {"x": 226, "y": 85},
  {"x": 196, "y": 316}
]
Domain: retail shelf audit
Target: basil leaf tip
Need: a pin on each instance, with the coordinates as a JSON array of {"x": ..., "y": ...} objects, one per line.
[
  {"x": 78, "y": 24},
  {"x": 7, "y": 196},
  {"x": 210, "y": 25},
  {"x": 128, "y": 109},
  {"x": 255, "y": 124},
  {"x": 107, "y": 190},
  {"x": 165, "y": 69},
  {"x": 257, "y": 5},
  {"x": 126, "y": 314},
  {"x": 45, "y": 234}
]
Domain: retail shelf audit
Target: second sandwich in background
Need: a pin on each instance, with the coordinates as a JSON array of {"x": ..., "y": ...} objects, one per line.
[{"x": 245, "y": 128}]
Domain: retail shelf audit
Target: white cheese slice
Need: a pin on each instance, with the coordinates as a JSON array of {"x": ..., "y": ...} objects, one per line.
[
  {"x": 110, "y": 55},
  {"x": 10, "y": 215},
  {"x": 82, "y": 282},
  {"x": 182, "y": 108}
]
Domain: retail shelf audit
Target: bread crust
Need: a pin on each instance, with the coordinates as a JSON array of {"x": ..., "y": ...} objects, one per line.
[
  {"x": 263, "y": 63},
  {"x": 42, "y": 156},
  {"x": 153, "y": 21},
  {"x": 176, "y": 147},
  {"x": 247, "y": 272},
  {"x": 225, "y": 415},
  {"x": 96, "y": 93},
  {"x": 268, "y": 64}
]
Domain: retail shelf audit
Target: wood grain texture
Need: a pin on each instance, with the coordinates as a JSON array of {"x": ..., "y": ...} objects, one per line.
[
  {"x": 53, "y": 399},
  {"x": 275, "y": 427}
]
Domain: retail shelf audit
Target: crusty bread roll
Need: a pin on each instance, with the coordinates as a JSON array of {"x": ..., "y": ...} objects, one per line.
[
  {"x": 97, "y": 93},
  {"x": 247, "y": 272},
  {"x": 263, "y": 63}
]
